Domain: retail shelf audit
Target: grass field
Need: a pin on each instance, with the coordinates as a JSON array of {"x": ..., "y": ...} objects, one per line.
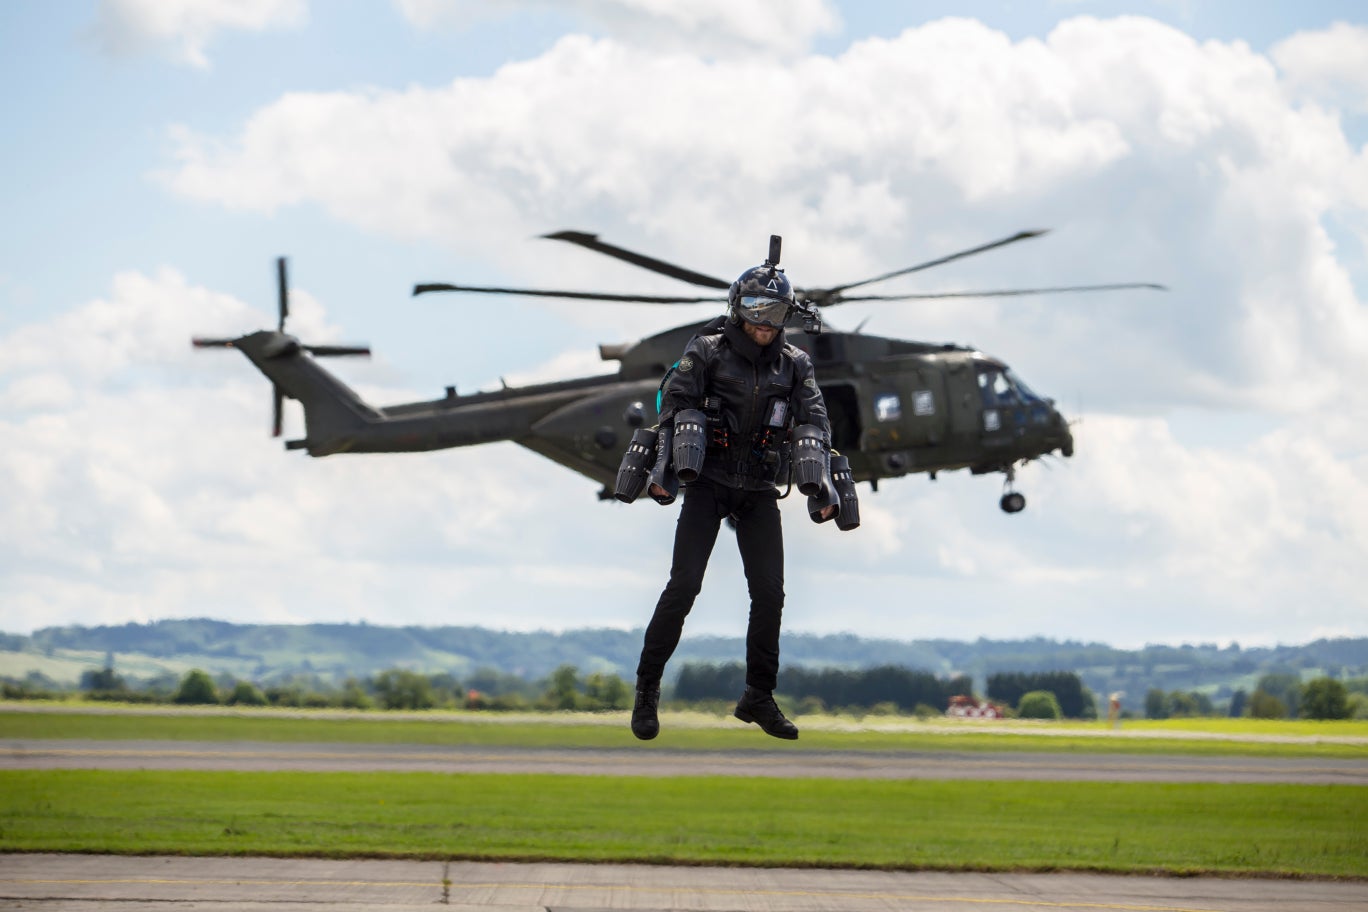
[
  {"x": 1268, "y": 830},
  {"x": 685, "y": 731},
  {"x": 1136, "y": 827}
]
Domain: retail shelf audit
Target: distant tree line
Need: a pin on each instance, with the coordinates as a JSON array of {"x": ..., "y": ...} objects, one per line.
[
  {"x": 1177, "y": 704},
  {"x": 1285, "y": 696},
  {"x": 1281, "y": 695},
  {"x": 276, "y": 653},
  {"x": 1075, "y": 700},
  {"x": 564, "y": 689},
  {"x": 884, "y": 689},
  {"x": 904, "y": 688}
]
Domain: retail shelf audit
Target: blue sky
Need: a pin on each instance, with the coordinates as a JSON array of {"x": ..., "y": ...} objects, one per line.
[{"x": 161, "y": 154}]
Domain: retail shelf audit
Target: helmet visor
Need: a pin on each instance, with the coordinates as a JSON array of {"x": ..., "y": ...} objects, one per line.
[{"x": 763, "y": 311}]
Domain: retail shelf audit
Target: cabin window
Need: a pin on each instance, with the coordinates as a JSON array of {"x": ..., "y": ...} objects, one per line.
[
  {"x": 923, "y": 403},
  {"x": 887, "y": 407}
]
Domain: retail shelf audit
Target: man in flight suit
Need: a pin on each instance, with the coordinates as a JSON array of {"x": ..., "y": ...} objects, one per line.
[{"x": 752, "y": 386}]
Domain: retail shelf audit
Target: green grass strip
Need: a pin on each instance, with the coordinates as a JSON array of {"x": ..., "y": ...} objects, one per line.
[
  {"x": 687, "y": 732},
  {"x": 1286, "y": 830}
]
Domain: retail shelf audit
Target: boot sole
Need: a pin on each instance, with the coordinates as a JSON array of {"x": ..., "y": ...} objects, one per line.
[{"x": 748, "y": 718}]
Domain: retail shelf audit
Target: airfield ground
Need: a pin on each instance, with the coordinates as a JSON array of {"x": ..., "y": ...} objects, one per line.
[
  {"x": 79, "y": 883},
  {"x": 1283, "y": 809}
]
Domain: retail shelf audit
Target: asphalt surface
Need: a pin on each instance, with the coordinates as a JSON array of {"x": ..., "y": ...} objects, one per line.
[
  {"x": 76, "y": 883},
  {"x": 654, "y": 761}
]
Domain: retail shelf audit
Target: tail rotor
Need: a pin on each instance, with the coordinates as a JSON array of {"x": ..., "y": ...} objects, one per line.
[{"x": 283, "y": 345}]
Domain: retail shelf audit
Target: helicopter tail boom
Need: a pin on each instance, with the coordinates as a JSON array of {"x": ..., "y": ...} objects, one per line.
[
  {"x": 332, "y": 410},
  {"x": 546, "y": 418}
]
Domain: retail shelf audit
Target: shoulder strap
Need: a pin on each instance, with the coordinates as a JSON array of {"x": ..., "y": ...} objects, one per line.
[{"x": 660, "y": 390}]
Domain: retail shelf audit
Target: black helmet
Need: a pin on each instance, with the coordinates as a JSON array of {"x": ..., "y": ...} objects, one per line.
[{"x": 762, "y": 296}]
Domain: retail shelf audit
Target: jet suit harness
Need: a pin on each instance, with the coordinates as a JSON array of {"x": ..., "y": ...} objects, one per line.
[{"x": 750, "y": 396}]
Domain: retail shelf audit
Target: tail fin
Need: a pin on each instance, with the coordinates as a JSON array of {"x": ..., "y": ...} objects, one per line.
[
  {"x": 332, "y": 412},
  {"x": 334, "y": 415}
]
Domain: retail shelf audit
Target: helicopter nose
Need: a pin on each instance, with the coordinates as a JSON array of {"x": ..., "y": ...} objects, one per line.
[{"x": 1066, "y": 442}]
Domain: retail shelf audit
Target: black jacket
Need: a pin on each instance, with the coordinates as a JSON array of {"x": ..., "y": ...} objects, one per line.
[{"x": 746, "y": 390}]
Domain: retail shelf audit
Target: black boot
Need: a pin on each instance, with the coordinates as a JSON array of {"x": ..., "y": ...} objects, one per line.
[
  {"x": 758, "y": 706},
  {"x": 645, "y": 725}
]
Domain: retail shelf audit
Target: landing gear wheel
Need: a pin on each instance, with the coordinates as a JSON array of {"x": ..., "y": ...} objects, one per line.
[{"x": 1012, "y": 502}]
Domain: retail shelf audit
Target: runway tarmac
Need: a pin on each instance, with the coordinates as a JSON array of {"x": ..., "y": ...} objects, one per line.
[
  {"x": 654, "y": 761},
  {"x": 84, "y": 883}
]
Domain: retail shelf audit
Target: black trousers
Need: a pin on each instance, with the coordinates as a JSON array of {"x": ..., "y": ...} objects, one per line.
[{"x": 760, "y": 537}]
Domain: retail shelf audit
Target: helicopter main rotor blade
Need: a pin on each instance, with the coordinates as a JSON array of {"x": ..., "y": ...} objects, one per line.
[
  {"x": 324, "y": 351},
  {"x": 591, "y": 242},
  {"x": 1011, "y": 292},
  {"x": 575, "y": 295},
  {"x": 282, "y": 287},
  {"x": 278, "y": 411},
  {"x": 213, "y": 343},
  {"x": 820, "y": 293}
]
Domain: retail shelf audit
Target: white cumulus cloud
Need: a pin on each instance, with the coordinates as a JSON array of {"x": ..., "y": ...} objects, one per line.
[
  {"x": 184, "y": 28},
  {"x": 1153, "y": 156},
  {"x": 1157, "y": 157},
  {"x": 702, "y": 26},
  {"x": 1328, "y": 65},
  {"x": 140, "y": 482}
]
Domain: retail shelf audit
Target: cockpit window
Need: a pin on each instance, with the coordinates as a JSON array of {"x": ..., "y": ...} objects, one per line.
[
  {"x": 1003, "y": 388},
  {"x": 1022, "y": 390}
]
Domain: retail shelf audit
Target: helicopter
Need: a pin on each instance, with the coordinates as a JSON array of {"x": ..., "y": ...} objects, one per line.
[{"x": 896, "y": 407}]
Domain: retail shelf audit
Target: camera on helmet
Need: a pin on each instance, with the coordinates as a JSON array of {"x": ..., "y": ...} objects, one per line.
[
  {"x": 690, "y": 444},
  {"x": 810, "y": 460},
  {"x": 636, "y": 464}
]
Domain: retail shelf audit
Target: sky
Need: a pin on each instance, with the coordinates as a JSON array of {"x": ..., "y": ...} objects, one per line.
[{"x": 161, "y": 153}]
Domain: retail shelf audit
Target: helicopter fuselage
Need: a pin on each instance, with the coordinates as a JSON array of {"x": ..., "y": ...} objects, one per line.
[{"x": 897, "y": 407}]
